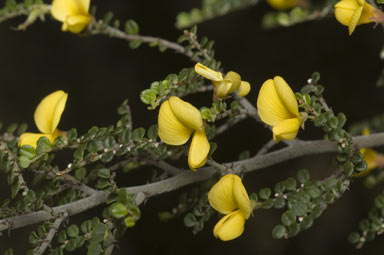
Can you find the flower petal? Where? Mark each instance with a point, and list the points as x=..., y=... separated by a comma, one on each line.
x=76, y=23
x=31, y=139
x=198, y=150
x=269, y=105
x=48, y=112
x=83, y=5
x=222, y=88
x=186, y=113
x=221, y=197
x=244, y=89
x=235, y=78
x=368, y=12
x=62, y=8
x=286, y=95
x=241, y=197
x=230, y=226
x=208, y=73
x=353, y=22
x=171, y=130
x=286, y=130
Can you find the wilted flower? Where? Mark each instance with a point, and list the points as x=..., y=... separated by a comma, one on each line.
x=229, y=197
x=228, y=85
x=72, y=13
x=277, y=107
x=177, y=121
x=47, y=117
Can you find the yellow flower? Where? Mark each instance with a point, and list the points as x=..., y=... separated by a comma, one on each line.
x=283, y=4
x=373, y=159
x=73, y=13
x=277, y=107
x=47, y=117
x=229, y=197
x=351, y=13
x=177, y=121
x=228, y=85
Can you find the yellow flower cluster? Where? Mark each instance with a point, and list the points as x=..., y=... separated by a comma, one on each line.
x=224, y=86
x=178, y=120
x=72, y=13
x=47, y=117
x=277, y=107
x=230, y=198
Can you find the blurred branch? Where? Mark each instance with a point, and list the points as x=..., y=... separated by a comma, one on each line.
x=294, y=150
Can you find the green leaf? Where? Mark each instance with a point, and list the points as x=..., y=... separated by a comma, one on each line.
x=118, y=210
x=99, y=233
x=107, y=157
x=131, y=27
x=190, y=220
x=290, y=184
x=265, y=193
x=279, y=231
x=102, y=183
x=73, y=230
x=128, y=221
x=23, y=161
x=104, y=173
x=152, y=132
x=86, y=226
x=94, y=249
x=107, y=18
x=134, y=44
x=148, y=96
x=288, y=218
x=61, y=237
x=72, y=134
x=303, y=176
x=138, y=134
x=354, y=237
x=43, y=145
x=80, y=173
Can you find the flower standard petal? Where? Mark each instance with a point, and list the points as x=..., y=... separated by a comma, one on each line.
x=354, y=20
x=286, y=95
x=286, y=130
x=186, y=113
x=198, y=150
x=171, y=130
x=221, y=197
x=244, y=89
x=208, y=73
x=48, y=112
x=31, y=139
x=235, y=79
x=62, y=8
x=368, y=12
x=269, y=105
x=83, y=5
x=230, y=226
x=222, y=88
x=241, y=197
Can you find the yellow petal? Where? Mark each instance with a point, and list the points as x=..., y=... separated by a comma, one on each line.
x=286, y=95
x=343, y=15
x=222, y=88
x=235, y=79
x=282, y=4
x=366, y=131
x=269, y=105
x=62, y=8
x=198, y=150
x=221, y=197
x=171, y=130
x=208, y=73
x=31, y=139
x=186, y=113
x=286, y=130
x=83, y=5
x=366, y=14
x=241, y=197
x=244, y=89
x=230, y=226
x=48, y=112
x=76, y=23
x=354, y=19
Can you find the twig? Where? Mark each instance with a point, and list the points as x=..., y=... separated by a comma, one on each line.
x=297, y=149
x=266, y=147
x=229, y=123
x=51, y=234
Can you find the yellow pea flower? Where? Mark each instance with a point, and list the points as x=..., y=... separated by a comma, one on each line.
x=229, y=197
x=47, y=117
x=373, y=158
x=177, y=121
x=352, y=13
x=283, y=5
x=228, y=85
x=277, y=107
x=72, y=13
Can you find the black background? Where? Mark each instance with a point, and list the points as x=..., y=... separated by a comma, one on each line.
x=99, y=73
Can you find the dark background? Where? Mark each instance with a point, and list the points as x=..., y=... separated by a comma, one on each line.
x=99, y=73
